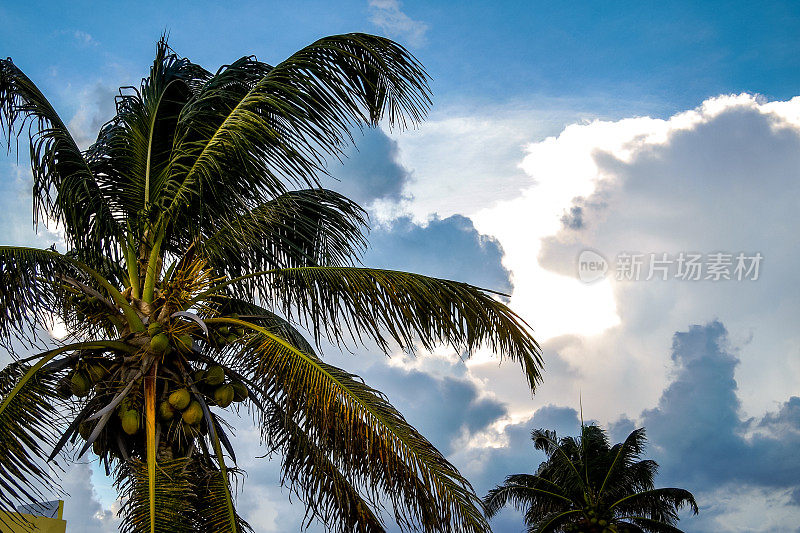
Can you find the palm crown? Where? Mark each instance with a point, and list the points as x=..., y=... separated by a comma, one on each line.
x=587, y=485
x=200, y=244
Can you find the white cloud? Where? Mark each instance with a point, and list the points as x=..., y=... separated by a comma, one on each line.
x=723, y=176
x=390, y=18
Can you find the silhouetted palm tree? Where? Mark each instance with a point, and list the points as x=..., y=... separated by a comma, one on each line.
x=198, y=241
x=587, y=485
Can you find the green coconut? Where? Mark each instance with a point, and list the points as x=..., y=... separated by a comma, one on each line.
x=165, y=411
x=240, y=392
x=180, y=399
x=184, y=343
x=215, y=375
x=224, y=395
x=130, y=422
x=159, y=343
x=153, y=329
x=224, y=331
x=96, y=372
x=198, y=376
x=80, y=384
x=193, y=414
x=232, y=338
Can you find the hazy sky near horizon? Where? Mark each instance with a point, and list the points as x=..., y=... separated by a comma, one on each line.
x=630, y=129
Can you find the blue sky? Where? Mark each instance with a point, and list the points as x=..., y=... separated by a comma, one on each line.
x=662, y=127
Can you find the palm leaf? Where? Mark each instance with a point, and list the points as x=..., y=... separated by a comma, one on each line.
x=659, y=504
x=524, y=491
x=33, y=290
x=371, y=438
x=384, y=305
x=299, y=228
x=64, y=187
x=214, y=503
x=30, y=421
x=289, y=120
x=309, y=471
x=175, y=496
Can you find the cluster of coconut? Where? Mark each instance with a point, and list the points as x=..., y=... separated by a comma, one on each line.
x=212, y=384
x=160, y=342
x=594, y=523
x=84, y=377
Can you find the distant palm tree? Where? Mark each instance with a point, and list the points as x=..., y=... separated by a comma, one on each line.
x=198, y=242
x=588, y=486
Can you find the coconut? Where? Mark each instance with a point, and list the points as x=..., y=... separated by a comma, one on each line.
x=232, y=338
x=165, y=411
x=159, y=343
x=153, y=328
x=224, y=331
x=130, y=422
x=198, y=376
x=184, y=343
x=240, y=392
x=193, y=414
x=215, y=375
x=96, y=372
x=80, y=384
x=180, y=399
x=224, y=395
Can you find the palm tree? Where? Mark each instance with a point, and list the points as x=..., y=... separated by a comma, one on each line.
x=586, y=485
x=200, y=245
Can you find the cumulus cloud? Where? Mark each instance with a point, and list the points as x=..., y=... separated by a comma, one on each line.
x=389, y=17
x=371, y=171
x=448, y=248
x=744, y=471
x=722, y=177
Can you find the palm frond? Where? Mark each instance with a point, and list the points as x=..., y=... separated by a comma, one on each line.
x=371, y=438
x=524, y=492
x=387, y=305
x=132, y=151
x=299, y=228
x=553, y=521
x=651, y=526
x=64, y=187
x=255, y=314
x=282, y=128
x=658, y=504
x=175, y=496
x=35, y=287
x=30, y=421
x=310, y=472
x=213, y=504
